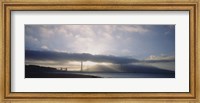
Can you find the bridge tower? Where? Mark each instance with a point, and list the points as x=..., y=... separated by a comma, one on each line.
x=81, y=65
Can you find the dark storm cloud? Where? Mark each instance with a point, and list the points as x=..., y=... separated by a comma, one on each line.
x=157, y=61
x=161, y=58
x=60, y=56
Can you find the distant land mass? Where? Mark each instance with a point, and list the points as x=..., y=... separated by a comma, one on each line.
x=33, y=71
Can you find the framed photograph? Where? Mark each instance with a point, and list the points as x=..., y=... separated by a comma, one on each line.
x=80, y=51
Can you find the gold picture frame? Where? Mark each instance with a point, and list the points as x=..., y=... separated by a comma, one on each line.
x=157, y=5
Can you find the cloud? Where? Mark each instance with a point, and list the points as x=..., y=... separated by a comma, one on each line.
x=44, y=47
x=58, y=56
x=169, y=29
x=128, y=28
x=108, y=39
x=162, y=58
x=70, y=38
x=61, y=56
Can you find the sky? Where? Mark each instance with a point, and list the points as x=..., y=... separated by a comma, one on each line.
x=110, y=43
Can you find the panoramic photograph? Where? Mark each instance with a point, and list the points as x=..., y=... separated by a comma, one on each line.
x=99, y=51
